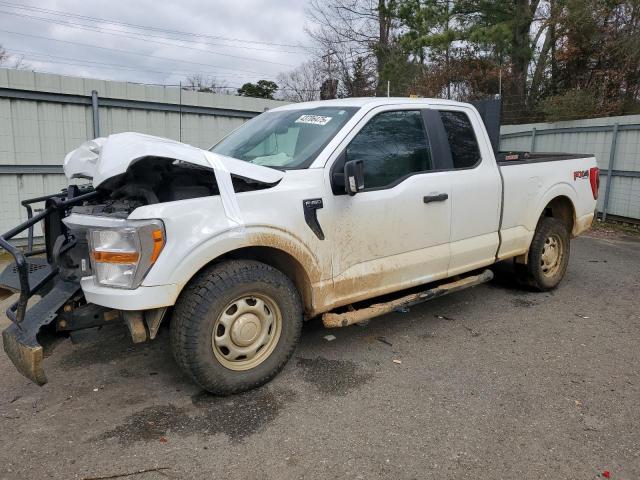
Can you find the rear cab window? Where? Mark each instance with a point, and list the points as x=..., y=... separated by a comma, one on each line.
x=465, y=152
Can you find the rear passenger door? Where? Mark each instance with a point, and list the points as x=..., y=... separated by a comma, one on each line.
x=476, y=191
x=395, y=233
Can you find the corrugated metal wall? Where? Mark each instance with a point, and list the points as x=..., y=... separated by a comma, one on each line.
x=593, y=136
x=43, y=117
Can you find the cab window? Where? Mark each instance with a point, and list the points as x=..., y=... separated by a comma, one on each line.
x=465, y=152
x=392, y=146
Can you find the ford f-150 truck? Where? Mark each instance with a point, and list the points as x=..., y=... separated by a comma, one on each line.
x=343, y=209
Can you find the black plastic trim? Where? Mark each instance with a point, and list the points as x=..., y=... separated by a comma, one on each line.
x=440, y=197
x=310, y=208
x=438, y=140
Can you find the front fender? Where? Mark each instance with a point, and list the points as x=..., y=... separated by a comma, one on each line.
x=175, y=271
x=198, y=231
x=230, y=240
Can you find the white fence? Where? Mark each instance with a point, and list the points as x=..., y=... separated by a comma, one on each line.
x=43, y=116
x=615, y=141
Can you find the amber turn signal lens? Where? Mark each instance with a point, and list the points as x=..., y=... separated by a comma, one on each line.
x=125, y=258
x=158, y=244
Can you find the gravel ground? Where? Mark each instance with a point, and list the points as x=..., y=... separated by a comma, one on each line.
x=493, y=382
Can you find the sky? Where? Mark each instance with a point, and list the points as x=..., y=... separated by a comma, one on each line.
x=155, y=41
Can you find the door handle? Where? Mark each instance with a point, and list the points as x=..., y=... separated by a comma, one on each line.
x=440, y=197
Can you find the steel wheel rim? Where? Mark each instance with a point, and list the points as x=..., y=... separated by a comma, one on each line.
x=552, y=255
x=246, y=332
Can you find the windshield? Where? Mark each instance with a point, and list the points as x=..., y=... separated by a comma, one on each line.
x=285, y=139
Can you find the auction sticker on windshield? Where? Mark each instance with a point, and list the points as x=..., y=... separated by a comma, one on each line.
x=314, y=119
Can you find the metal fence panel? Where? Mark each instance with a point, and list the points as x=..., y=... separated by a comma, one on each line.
x=44, y=116
x=598, y=136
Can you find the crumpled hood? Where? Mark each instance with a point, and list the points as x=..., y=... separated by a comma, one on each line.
x=106, y=157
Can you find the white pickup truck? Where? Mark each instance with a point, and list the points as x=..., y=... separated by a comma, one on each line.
x=311, y=209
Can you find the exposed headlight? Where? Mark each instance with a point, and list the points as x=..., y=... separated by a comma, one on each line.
x=122, y=251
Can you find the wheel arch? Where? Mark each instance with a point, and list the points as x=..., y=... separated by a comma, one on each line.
x=276, y=249
x=563, y=209
x=559, y=202
x=280, y=260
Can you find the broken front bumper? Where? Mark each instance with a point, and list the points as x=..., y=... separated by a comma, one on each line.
x=30, y=275
x=26, y=354
x=20, y=340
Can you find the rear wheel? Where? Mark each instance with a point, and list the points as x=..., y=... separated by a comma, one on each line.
x=548, y=255
x=236, y=325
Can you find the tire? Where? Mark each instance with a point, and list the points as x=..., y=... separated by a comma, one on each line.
x=216, y=322
x=548, y=256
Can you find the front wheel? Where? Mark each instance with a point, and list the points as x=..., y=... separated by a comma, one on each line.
x=236, y=325
x=548, y=255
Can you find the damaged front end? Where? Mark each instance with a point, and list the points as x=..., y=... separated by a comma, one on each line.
x=88, y=233
x=54, y=273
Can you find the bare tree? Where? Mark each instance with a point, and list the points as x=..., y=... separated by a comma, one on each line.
x=4, y=55
x=204, y=83
x=9, y=60
x=347, y=30
x=303, y=83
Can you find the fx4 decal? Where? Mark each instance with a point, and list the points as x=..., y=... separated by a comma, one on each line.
x=584, y=174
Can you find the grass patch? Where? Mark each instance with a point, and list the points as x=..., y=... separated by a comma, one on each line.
x=614, y=227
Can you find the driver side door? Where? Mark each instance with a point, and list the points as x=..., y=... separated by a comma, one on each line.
x=393, y=234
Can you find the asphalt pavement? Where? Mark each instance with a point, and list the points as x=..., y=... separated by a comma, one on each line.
x=493, y=382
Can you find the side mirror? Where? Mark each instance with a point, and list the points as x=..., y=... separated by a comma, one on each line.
x=353, y=176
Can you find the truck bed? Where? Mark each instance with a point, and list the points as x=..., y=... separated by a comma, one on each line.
x=530, y=186
x=520, y=157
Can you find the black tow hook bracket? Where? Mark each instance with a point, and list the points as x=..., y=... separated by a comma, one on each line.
x=310, y=208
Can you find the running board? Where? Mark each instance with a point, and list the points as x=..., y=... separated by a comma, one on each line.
x=334, y=320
